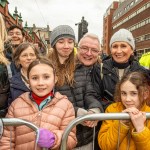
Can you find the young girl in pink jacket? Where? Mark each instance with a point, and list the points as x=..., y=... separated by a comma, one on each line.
x=50, y=111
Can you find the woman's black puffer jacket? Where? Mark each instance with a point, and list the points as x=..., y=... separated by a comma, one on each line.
x=4, y=90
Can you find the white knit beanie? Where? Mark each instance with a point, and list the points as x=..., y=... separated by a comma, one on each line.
x=123, y=35
x=60, y=32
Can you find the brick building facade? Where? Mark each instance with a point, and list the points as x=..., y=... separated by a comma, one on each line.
x=134, y=15
x=16, y=19
x=107, y=23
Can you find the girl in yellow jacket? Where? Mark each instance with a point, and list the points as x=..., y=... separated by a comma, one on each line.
x=50, y=111
x=131, y=94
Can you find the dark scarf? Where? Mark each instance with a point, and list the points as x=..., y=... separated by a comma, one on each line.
x=123, y=65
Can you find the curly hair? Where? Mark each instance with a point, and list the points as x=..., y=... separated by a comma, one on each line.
x=140, y=80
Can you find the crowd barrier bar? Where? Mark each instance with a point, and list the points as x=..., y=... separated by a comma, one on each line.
x=18, y=122
x=92, y=117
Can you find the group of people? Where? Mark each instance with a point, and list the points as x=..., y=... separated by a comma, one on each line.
x=53, y=90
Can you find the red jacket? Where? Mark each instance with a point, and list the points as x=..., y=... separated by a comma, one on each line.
x=55, y=116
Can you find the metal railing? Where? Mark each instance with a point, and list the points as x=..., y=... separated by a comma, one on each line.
x=18, y=122
x=92, y=117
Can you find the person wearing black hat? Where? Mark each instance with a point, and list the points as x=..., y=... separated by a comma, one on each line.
x=122, y=46
x=75, y=82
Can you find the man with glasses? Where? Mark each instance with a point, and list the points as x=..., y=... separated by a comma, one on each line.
x=88, y=53
x=89, y=49
x=15, y=38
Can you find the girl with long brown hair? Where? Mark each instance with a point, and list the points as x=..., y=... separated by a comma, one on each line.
x=74, y=81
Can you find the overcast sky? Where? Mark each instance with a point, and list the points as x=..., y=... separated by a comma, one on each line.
x=57, y=12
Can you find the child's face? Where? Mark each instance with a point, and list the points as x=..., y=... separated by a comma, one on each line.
x=41, y=79
x=64, y=47
x=129, y=95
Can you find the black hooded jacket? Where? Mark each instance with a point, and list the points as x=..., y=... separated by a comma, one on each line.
x=111, y=77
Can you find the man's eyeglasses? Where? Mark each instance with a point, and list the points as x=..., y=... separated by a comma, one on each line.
x=85, y=49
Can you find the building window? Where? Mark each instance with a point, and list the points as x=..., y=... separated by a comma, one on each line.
x=131, y=4
x=128, y=6
x=147, y=37
x=138, y=39
x=146, y=6
x=147, y=50
x=136, y=1
x=139, y=53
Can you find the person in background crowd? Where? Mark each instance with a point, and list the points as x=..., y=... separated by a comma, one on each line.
x=40, y=48
x=131, y=97
x=145, y=60
x=4, y=80
x=75, y=82
x=25, y=54
x=50, y=111
x=122, y=46
x=15, y=38
x=104, y=56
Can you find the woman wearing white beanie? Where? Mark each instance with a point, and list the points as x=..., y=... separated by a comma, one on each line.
x=122, y=46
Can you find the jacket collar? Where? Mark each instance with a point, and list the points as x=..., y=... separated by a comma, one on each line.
x=57, y=97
